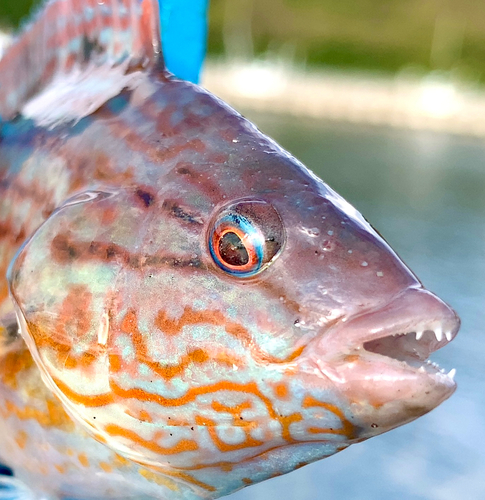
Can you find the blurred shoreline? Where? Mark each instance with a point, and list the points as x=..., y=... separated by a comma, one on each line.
x=433, y=102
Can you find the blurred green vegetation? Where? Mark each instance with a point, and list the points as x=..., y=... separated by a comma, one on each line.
x=13, y=11
x=377, y=35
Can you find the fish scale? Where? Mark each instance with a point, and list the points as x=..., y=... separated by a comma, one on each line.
x=185, y=309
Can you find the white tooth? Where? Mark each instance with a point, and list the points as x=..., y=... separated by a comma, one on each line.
x=452, y=373
x=421, y=369
x=448, y=336
x=439, y=334
x=419, y=334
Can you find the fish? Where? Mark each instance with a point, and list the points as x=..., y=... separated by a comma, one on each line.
x=185, y=308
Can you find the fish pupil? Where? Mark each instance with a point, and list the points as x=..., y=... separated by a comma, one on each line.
x=232, y=250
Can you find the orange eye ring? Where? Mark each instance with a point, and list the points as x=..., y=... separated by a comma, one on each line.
x=245, y=238
x=236, y=245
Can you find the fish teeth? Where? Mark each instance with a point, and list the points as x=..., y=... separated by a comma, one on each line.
x=452, y=373
x=438, y=334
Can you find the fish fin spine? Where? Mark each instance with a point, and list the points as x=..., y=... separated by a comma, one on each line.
x=70, y=34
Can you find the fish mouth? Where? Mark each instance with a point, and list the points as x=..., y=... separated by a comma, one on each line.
x=408, y=330
x=413, y=348
x=380, y=359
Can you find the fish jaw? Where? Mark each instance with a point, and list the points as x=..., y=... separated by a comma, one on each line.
x=379, y=360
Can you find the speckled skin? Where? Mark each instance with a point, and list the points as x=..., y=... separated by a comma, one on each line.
x=146, y=371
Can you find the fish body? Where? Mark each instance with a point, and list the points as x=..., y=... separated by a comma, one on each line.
x=185, y=309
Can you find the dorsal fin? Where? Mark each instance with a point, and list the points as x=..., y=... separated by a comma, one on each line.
x=69, y=36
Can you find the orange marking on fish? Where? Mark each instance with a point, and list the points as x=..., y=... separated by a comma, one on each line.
x=211, y=425
x=54, y=417
x=351, y=358
x=75, y=312
x=191, y=395
x=195, y=356
x=173, y=327
x=141, y=415
x=15, y=362
x=93, y=400
x=348, y=429
x=181, y=475
x=3, y=284
x=12, y=232
x=99, y=437
x=106, y=467
x=182, y=446
x=115, y=362
x=223, y=385
x=170, y=371
x=106, y=171
x=50, y=339
x=234, y=410
x=189, y=317
x=247, y=480
x=281, y=390
x=120, y=461
x=178, y=422
x=227, y=359
x=158, y=479
x=21, y=439
x=129, y=323
x=83, y=459
x=60, y=468
x=73, y=325
x=225, y=466
x=84, y=360
x=109, y=215
x=286, y=421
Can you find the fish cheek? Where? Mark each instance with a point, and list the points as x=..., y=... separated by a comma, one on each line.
x=97, y=321
x=115, y=341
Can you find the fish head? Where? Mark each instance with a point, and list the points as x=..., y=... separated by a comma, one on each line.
x=234, y=317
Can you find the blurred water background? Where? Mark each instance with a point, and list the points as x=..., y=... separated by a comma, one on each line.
x=385, y=101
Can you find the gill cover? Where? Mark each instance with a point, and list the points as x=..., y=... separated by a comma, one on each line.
x=76, y=286
x=164, y=382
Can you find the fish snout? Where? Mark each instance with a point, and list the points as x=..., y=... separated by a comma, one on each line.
x=379, y=359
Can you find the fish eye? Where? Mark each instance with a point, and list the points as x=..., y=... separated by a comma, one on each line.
x=246, y=237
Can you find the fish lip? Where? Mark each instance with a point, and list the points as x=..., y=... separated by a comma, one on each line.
x=401, y=334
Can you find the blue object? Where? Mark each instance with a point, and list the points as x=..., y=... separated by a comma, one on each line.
x=5, y=471
x=184, y=36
